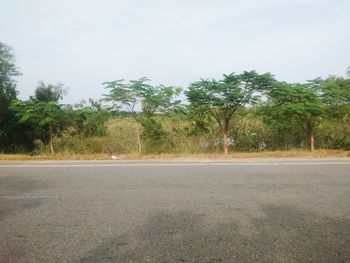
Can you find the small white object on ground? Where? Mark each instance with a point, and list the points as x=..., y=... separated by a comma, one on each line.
x=114, y=157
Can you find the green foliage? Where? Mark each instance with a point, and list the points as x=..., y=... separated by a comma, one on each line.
x=241, y=112
x=150, y=99
x=49, y=118
x=336, y=97
x=7, y=83
x=222, y=98
x=8, y=69
x=138, y=93
x=334, y=134
x=294, y=101
x=155, y=138
x=336, y=91
x=200, y=122
x=294, y=104
x=49, y=92
x=90, y=120
x=13, y=136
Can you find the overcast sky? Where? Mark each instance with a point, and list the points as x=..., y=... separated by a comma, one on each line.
x=83, y=43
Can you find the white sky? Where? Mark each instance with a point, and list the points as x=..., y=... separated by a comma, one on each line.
x=83, y=43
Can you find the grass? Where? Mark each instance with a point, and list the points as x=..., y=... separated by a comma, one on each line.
x=135, y=156
x=26, y=157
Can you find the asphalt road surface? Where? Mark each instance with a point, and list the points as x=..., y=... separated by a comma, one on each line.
x=175, y=211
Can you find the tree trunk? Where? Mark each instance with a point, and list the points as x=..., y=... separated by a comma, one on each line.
x=225, y=137
x=312, y=142
x=51, y=141
x=139, y=147
x=310, y=136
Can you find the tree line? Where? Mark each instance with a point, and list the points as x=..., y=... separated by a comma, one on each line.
x=211, y=112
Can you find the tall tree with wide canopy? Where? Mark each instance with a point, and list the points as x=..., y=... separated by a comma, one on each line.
x=299, y=104
x=221, y=99
x=141, y=100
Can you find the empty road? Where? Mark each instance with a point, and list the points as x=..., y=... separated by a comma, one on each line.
x=175, y=211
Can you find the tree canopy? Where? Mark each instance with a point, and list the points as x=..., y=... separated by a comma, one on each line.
x=295, y=103
x=142, y=100
x=9, y=131
x=222, y=98
x=49, y=92
x=244, y=111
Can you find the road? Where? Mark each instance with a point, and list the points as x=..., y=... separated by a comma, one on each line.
x=175, y=211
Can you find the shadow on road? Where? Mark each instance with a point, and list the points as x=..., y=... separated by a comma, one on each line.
x=11, y=190
x=284, y=234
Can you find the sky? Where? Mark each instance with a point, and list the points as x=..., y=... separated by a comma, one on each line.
x=83, y=43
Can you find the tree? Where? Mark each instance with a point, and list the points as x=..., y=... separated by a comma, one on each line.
x=42, y=112
x=8, y=69
x=8, y=93
x=49, y=92
x=296, y=104
x=222, y=98
x=127, y=96
x=138, y=95
x=51, y=116
x=336, y=91
x=90, y=119
x=336, y=98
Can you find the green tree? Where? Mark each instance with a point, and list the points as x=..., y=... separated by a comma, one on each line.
x=90, y=119
x=336, y=98
x=8, y=92
x=51, y=116
x=336, y=91
x=222, y=98
x=141, y=100
x=49, y=92
x=296, y=104
x=8, y=70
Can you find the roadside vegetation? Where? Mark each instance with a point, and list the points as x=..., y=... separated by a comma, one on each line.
x=241, y=115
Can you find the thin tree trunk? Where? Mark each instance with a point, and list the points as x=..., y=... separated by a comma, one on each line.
x=312, y=142
x=225, y=137
x=139, y=146
x=51, y=141
x=310, y=135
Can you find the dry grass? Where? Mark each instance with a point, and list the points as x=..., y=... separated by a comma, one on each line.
x=244, y=155
x=23, y=157
x=237, y=155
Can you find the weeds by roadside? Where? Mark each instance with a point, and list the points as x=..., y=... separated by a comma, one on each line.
x=135, y=156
